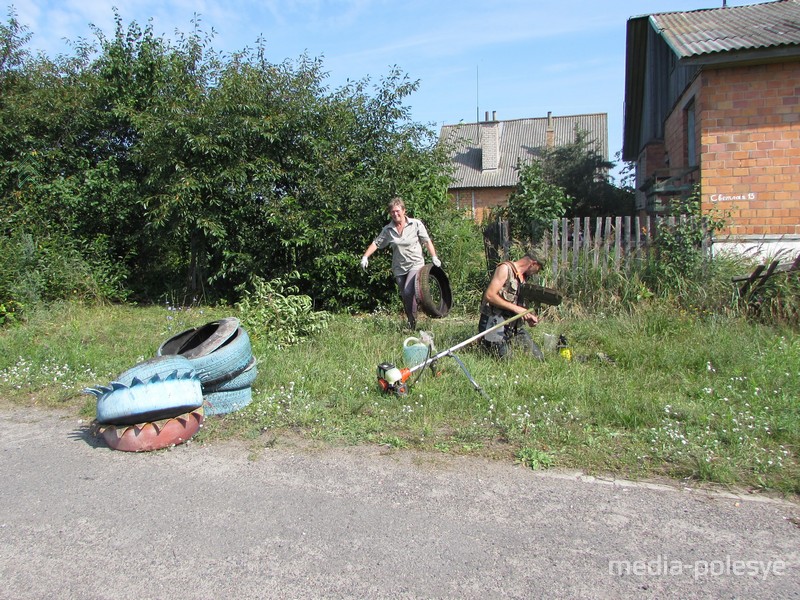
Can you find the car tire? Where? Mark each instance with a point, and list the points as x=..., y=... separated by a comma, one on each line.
x=200, y=341
x=142, y=437
x=148, y=399
x=225, y=362
x=240, y=380
x=222, y=403
x=434, y=295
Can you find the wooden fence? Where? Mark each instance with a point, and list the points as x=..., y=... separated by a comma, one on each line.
x=604, y=242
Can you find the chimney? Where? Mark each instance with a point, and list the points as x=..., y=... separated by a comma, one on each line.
x=490, y=142
x=550, y=139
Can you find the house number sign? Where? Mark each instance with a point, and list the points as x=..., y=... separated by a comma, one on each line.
x=750, y=196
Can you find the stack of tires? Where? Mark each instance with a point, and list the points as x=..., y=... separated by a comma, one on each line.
x=162, y=401
x=222, y=355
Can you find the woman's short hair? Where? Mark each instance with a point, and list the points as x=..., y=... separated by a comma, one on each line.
x=397, y=201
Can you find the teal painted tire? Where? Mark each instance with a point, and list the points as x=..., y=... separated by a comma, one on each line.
x=226, y=361
x=144, y=401
x=200, y=341
x=241, y=380
x=222, y=403
x=159, y=365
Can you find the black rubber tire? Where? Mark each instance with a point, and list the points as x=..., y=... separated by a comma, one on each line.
x=434, y=295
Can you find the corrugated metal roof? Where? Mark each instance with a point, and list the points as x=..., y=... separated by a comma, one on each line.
x=730, y=29
x=520, y=141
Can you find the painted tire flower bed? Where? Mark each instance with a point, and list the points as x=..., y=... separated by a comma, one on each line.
x=161, y=402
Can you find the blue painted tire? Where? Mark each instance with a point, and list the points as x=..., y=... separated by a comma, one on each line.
x=200, y=341
x=239, y=381
x=159, y=365
x=218, y=351
x=173, y=345
x=222, y=403
x=226, y=361
x=148, y=400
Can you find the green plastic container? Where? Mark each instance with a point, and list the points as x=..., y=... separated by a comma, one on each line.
x=415, y=351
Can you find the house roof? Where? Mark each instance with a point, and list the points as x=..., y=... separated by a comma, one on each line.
x=701, y=33
x=520, y=140
x=753, y=34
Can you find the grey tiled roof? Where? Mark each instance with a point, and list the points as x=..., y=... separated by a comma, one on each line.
x=730, y=29
x=520, y=141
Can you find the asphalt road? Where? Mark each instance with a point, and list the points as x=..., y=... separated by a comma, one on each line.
x=79, y=520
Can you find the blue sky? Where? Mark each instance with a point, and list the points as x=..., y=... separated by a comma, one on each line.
x=520, y=58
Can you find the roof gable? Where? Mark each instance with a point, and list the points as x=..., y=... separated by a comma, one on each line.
x=519, y=141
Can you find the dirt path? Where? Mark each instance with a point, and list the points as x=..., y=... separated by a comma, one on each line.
x=78, y=520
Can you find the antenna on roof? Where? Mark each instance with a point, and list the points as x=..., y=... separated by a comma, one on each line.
x=477, y=104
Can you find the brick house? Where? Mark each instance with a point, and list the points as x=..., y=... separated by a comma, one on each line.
x=712, y=97
x=486, y=155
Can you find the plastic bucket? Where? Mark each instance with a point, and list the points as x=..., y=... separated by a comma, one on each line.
x=414, y=351
x=550, y=342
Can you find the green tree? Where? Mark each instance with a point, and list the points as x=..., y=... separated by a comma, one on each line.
x=583, y=174
x=172, y=169
x=534, y=204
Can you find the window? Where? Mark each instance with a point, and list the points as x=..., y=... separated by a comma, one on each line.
x=690, y=137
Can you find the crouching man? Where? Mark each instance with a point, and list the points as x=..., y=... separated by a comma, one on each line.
x=501, y=301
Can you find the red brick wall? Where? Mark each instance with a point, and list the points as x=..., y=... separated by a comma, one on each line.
x=749, y=120
x=484, y=199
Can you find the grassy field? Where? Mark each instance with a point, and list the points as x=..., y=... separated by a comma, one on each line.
x=656, y=393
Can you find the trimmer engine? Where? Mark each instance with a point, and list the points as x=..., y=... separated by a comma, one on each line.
x=393, y=379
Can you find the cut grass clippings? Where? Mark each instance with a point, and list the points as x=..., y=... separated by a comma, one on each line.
x=652, y=394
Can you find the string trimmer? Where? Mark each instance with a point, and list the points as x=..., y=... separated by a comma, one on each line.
x=393, y=379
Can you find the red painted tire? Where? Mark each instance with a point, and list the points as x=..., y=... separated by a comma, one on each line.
x=154, y=435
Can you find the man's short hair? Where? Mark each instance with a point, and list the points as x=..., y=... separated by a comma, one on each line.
x=534, y=258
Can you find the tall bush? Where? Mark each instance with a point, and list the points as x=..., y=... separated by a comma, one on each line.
x=194, y=172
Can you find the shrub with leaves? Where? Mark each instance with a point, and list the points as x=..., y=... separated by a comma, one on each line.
x=276, y=314
x=534, y=204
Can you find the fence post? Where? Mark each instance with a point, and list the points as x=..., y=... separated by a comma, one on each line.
x=587, y=239
x=576, y=227
x=598, y=238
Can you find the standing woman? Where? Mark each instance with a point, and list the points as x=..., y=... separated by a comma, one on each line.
x=406, y=236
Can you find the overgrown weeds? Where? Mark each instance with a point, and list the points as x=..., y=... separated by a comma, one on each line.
x=654, y=391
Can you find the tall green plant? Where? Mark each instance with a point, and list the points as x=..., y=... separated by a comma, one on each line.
x=582, y=173
x=682, y=258
x=534, y=204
